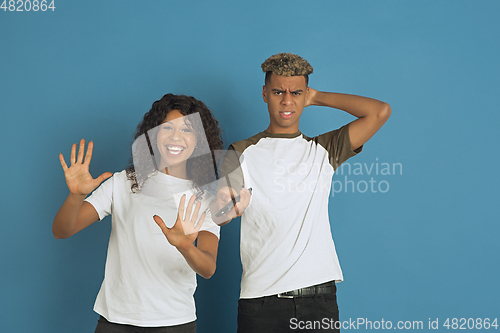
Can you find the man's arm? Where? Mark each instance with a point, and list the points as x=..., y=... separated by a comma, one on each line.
x=371, y=113
x=230, y=185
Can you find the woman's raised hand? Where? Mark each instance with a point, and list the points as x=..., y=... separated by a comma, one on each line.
x=78, y=177
x=185, y=230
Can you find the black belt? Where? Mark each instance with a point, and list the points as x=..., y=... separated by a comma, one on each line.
x=320, y=289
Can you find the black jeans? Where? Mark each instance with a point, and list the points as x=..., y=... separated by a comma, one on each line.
x=104, y=326
x=319, y=313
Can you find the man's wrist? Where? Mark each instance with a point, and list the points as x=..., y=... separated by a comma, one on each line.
x=313, y=97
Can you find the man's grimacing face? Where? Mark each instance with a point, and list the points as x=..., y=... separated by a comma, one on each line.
x=285, y=97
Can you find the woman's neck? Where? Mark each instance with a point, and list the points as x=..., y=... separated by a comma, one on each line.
x=178, y=171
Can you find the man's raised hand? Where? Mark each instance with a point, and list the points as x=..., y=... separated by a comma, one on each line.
x=310, y=97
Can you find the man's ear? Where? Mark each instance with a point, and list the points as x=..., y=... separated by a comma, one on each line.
x=264, y=94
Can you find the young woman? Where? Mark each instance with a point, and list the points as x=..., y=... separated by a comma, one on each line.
x=149, y=281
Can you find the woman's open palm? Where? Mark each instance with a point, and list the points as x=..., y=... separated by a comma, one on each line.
x=77, y=176
x=185, y=230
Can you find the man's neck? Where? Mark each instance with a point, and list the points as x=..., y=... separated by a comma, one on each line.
x=282, y=130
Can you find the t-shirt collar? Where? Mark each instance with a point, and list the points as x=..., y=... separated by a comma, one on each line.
x=282, y=135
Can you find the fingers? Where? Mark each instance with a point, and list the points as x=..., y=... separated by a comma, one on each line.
x=225, y=194
x=200, y=223
x=81, y=151
x=181, y=208
x=245, y=197
x=196, y=208
x=223, y=197
x=189, y=219
x=190, y=208
x=240, y=207
x=161, y=224
x=73, y=154
x=88, y=156
x=194, y=217
x=103, y=177
x=63, y=163
x=237, y=209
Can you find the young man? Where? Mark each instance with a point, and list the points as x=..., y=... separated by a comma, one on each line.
x=289, y=261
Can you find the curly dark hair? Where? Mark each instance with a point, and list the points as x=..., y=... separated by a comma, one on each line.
x=286, y=64
x=196, y=167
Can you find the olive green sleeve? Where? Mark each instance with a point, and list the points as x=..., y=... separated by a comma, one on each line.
x=338, y=145
x=231, y=174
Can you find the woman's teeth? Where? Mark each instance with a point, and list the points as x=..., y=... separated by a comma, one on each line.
x=175, y=150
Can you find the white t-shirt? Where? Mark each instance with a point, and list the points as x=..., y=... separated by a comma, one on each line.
x=147, y=281
x=286, y=242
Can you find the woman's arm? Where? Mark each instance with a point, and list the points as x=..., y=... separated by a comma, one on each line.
x=201, y=258
x=75, y=214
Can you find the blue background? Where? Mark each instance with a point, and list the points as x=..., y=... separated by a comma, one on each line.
x=427, y=248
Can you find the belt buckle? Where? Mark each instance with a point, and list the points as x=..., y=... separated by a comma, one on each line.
x=282, y=295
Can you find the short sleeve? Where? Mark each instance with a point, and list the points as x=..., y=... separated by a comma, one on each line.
x=102, y=198
x=209, y=225
x=231, y=174
x=338, y=145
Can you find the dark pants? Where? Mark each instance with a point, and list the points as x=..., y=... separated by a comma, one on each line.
x=304, y=314
x=104, y=326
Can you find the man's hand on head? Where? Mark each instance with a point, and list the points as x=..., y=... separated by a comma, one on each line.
x=311, y=97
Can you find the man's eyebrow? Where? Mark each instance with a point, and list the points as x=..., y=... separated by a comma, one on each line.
x=292, y=91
